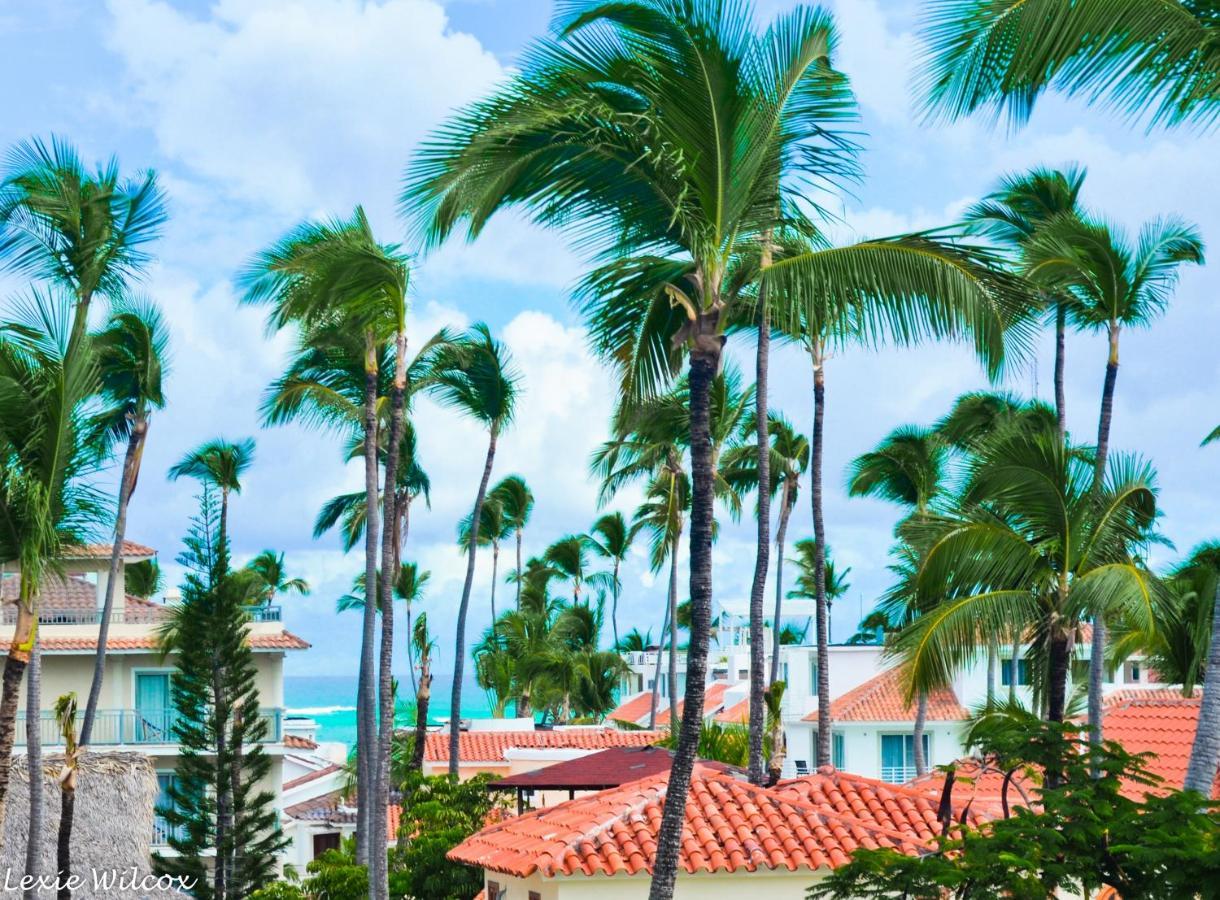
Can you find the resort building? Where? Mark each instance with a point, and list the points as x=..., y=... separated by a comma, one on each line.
x=135, y=712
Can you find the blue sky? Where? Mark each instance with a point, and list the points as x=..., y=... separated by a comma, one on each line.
x=260, y=113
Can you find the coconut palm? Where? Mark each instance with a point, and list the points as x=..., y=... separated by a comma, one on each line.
x=1011, y=215
x=634, y=641
x=422, y=646
x=1115, y=283
x=342, y=287
x=143, y=579
x=220, y=463
x=46, y=461
x=478, y=381
x=268, y=567
x=516, y=503
x=706, y=132
x=569, y=557
x=409, y=587
x=1150, y=60
x=1030, y=546
x=610, y=538
x=86, y=232
x=493, y=529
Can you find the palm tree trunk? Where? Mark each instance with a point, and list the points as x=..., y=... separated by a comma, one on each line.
x=519, y=570
x=379, y=874
x=704, y=362
x=15, y=665
x=224, y=796
x=495, y=573
x=993, y=658
x=33, y=750
x=762, y=556
x=404, y=503
x=614, y=603
x=819, y=558
x=1097, y=648
x=1204, y=753
x=459, y=644
x=422, y=700
x=1013, y=669
x=366, y=702
x=131, y=471
x=656, y=678
x=921, y=718
x=1060, y=659
x=1060, y=365
x=673, y=633
x=781, y=535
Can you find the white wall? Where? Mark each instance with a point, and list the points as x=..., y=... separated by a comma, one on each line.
x=777, y=885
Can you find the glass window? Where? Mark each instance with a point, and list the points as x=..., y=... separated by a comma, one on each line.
x=783, y=672
x=836, y=750
x=1022, y=672
x=898, y=756
x=813, y=675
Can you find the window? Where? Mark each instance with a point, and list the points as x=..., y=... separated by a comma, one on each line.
x=836, y=750
x=323, y=842
x=743, y=674
x=1022, y=672
x=162, y=831
x=495, y=892
x=898, y=756
x=813, y=675
x=783, y=668
x=534, y=895
x=1133, y=672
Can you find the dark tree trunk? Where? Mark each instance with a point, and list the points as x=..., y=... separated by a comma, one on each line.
x=33, y=752
x=459, y=644
x=1205, y=752
x=1097, y=647
x=15, y=664
x=1060, y=365
x=1060, y=659
x=762, y=558
x=495, y=573
x=63, y=844
x=379, y=874
x=656, y=678
x=224, y=796
x=704, y=361
x=422, y=700
x=404, y=505
x=613, y=603
x=993, y=654
x=921, y=718
x=673, y=634
x=366, y=702
x=819, y=558
x=781, y=536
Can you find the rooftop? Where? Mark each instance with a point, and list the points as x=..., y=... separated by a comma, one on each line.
x=883, y=699
x=1159, y=721
x=730, y=826
x=102, y=551
x=607, y=768
x=490, y=746
x=283, y=640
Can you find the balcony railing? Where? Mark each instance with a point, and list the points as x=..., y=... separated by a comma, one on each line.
x=138, y=615
x=115, y=727
x=897, y=774
x=162, y=832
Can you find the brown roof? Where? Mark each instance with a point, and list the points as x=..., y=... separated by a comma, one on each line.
x=73, y=594
x=296, y=742
x=103, y=551
x=729, y=826
x=490, y=746
x=282, y=641
x=883, y=699
x=311, y=776
x=598, y=771
x=331, y=809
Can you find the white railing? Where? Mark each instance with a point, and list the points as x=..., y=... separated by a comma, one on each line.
x=897, y=774
x=133, y=726
x=136, y=615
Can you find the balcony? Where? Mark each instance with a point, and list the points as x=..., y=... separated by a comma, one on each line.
x=133, y=727
x=897, y=774
x=139, y=615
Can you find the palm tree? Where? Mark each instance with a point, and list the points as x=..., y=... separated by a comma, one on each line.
x=634, y=641
x=1115, y=284
x=132, y=359
x=481, y=383
x=269, y=569
x=516, y=503
x=569, y=557
x=908, y=468
x=46, y=459
x=221, y=464
x=1030, y=546
x=493, y=529
x=347, y=292
x=1154, y=60
x=706, y=133
x=1011, y=215
x=611, y=539
x=409, y=587
x=423, y=645
x=83, y=231
x=143, y=579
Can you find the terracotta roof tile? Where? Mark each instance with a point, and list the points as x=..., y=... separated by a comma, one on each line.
x=296, y=742
x=890, y=806
x=73, y=594
x=103, y=551
x=730, y=826
x=736, y=714
x=635, y=710
x=713, y=699
x=489, y=746
x=281, y=641
x=882, y=699
x=1159, y=721
x=311, y=776
x=985, y=785
x=603, y=769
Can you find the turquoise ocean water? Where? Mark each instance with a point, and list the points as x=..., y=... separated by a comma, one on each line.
x=331, y=702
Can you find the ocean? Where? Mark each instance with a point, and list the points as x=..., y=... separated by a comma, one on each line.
x=331, y=702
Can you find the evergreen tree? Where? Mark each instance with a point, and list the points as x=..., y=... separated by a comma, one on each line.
x=215, y=803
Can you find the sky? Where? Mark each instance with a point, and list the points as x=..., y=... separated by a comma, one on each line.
x=259, y=114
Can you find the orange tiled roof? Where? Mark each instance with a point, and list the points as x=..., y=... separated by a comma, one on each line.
x=713, y=699
x=633, y=711
x=73, y=594
x=883, y=699
x=281, y=641
x=489, y=746
x=730, y=826
x=889, y=806
x=393, y=815
x=1159, y=721
x=103, y=551
x=296, y=742
x=985, y=785
x=736, y=714
x=310, y=776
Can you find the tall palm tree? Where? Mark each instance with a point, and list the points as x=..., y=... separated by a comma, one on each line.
x=133, y=360
x=86, y=232
x=1115, y=284
x=46, y=461
x=516, y=503
x=1151, y=60
x=344, y=288
x=610, y=539
x=908, y=468
x=569, y=557
x=1030, y=546
x=1200, y=577
x=409, y=587
x=422, y=645
x=481, y=383
x=268, y=567
x=707, y=131
x=634, y=641
x=493, y=530
x=1011, y=215
x=220, y=463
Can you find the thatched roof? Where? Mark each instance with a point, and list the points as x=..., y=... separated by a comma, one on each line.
x=112, y=828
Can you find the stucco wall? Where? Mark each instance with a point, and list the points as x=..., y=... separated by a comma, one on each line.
x=772, y=885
